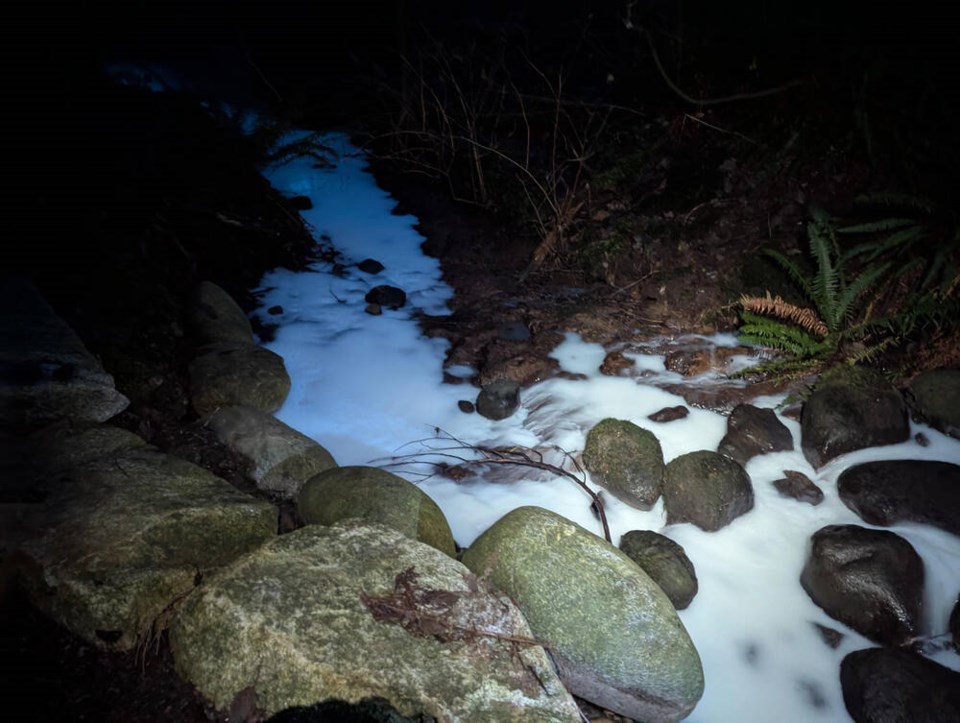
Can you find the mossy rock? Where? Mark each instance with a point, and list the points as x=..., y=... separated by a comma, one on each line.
x=625, y=459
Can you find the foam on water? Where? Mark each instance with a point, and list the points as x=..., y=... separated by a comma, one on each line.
x=369, y=387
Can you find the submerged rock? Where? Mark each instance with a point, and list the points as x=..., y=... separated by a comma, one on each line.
x=707, y=489
x=851, y=408
x=871, y=580
x=752, y=431
x=887, y=492
x=612, y=631
x=935, y=398
x=282, y=458
x=625, y=459
x=378, y=496
x=665, y=562
x=356, y=611
x=893, y=685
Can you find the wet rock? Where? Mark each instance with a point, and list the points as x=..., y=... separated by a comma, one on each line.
x=688, y=362
x=871, y=580
x=884, y=493
x=935, y=398
x=625, y=459
x=799, y=486
x=669, y=414
x=707, y=489
x=377, y=496
x=373, y=309
x=388, y=296
x=46, y=373
x=614, y=363
x=237, y=375
x=358, y=610
x=665, y=562
x=282, y=458
x=752, y=431
x=370, y=266
x=275, y=310
x=124, y=531
x=893, y=685
x=851, y=408
x=613, y=633
x=830, y=636
x=466, y=406
x=499, y=399
x=216, y=318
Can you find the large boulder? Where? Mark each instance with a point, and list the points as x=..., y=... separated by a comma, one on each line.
x=613, y=633
x=46, y=373
x=216, y=318
x=237, y=374
x=752, y=431
x=887, y=492
x=281, y=457
x=871, y=580
x=851, y=408
x=627, y=460
x=707, y=489
x=379, y=496
x=356, y=611
x=125, y=530
x=935, y=398
x=665, y=562
x=894, y=685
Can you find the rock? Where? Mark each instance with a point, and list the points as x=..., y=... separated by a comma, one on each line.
x=752, y=431
x=499, y=399
x=614, y=363
x=688, y=362
x=884, y=493
x=275, y=310
x=707, y=489
x=851, y=408
x=124, y=531
x=237, y=375
x=388, y=296
x=378, y=496
x=871, y=580
x=370, y=266
x=466, y=406
x=935, y=398
x=665, y=562
x=625, y=459
x=281, y=457
x=830, y=636
x=373, y=309
x=215, y=318
x=669, y=414
x=799, y=486
x=613, y=633
x=893, y=685
x=358, y=610
x=46, y=373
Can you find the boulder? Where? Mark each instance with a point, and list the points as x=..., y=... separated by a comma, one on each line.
x=358, y=610
x=935, y=398
x=215, y=318
x=46, y=373
x=614, y=634
x=752, y=431
x=625, y=459
x=871, y=580
x=236, y=374
x=851, y=408
x=124, y=531
x=499, y=399
x=887, y=492
x=375, y=495
x=665, y=562
x=894, y=685
x=281, y=457
x=707, y=489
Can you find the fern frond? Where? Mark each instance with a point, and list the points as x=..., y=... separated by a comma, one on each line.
x=857, y=288
x=761, y=331
x=825, y=283
x=776, y=307
x=793, y=270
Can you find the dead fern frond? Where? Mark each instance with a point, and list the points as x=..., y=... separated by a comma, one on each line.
x=776, y=307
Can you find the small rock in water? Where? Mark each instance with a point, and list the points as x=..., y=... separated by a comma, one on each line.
x=370, y=266
x=921, y=439
x=499, y=399
x=373, y=309
x=275, y=310
x=614, y=363
x=799, y=486
x=831, y=637
x=389, y=296
x=466, y=406
x=669, y=414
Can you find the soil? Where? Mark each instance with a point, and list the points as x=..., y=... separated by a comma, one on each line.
x=687, y=260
